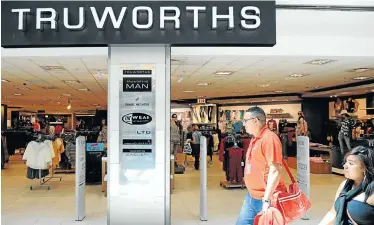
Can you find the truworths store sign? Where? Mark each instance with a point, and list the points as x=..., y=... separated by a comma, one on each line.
x=92, y=23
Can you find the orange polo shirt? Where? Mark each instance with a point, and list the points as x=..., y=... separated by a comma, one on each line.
x=264, y=150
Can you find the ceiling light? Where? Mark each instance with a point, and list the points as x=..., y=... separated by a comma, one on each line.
x=95, y=104
x=320, y=61
x=203, y=84
x=360, y=70
x=83, y=89
x=298, y=75
x=5, y=81
x=279, y=91
x=360, y=78
x=68, y=107
x=189, y=91
x=71, y=81
x=52, y=68
x=66, y=95
x=24, y=89
x=17, y=94
x=47, y=99
x=180, y=79
x=263, y=85
x=316, y=87
x=49, y=88
x=223, y=73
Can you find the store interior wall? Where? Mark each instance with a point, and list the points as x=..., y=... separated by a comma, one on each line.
x=316, y=113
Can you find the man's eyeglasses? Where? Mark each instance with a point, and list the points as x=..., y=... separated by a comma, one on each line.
x=246, y=120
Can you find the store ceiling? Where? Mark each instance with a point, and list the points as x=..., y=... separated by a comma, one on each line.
x=46, y=82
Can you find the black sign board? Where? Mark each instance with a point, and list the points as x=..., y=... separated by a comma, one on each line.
x=137, y=150
x=100, y=23
x=137, y=72
x=137, y=84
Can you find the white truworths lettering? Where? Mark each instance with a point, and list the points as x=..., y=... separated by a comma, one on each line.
x=216, y=17
x=255, y=17
x=51, y=19
x=174, y=18
x=135, y=17
x=196, y=10
x=108, y=10
x=21, y=13
x=81, y=21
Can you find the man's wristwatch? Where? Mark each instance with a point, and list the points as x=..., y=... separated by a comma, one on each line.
x=266, y=201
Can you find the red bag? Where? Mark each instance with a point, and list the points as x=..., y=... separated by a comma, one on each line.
x=271, y=216
x=293, y=204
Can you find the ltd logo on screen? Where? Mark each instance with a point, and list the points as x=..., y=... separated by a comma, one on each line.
x=137, y=84
x=136, y=118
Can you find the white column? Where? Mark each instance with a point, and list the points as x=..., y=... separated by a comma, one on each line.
x=139, y=187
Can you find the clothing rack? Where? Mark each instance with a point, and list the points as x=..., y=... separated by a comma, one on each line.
x=43, y=181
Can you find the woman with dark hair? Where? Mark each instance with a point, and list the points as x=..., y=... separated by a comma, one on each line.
x=354, y=202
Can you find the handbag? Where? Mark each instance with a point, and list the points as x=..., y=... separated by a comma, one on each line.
x=187, y=149
x=292, y=203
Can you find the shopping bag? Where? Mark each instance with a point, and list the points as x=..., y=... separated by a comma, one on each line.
x=293, y=204
x=187, y=149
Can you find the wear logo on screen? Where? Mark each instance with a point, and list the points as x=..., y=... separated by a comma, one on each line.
x=137, y=84
x=136, y=118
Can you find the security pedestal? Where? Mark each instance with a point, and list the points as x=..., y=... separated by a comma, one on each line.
x=139, y=131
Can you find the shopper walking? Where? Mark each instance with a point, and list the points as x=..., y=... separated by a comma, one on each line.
x=354, y=202
x=346, y=130
x=195, y=144
x=263, y=164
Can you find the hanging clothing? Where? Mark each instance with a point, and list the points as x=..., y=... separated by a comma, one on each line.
x=58, y=147
x=38, y=155
x=58, y=129
x=35, y=174
x=235, y=165
x=222, y=126
x=237, y=125
x=351, y=106
x=272, y=125
x=36, y=127
x=215, y=142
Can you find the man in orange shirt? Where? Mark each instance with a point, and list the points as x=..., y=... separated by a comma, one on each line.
x=262, y=174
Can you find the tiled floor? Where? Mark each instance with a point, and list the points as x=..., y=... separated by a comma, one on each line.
x=21, y=206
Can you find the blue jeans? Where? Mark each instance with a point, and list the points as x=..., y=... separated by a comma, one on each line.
x=251, y=207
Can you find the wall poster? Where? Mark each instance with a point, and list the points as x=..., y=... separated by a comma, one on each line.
x=137, y=116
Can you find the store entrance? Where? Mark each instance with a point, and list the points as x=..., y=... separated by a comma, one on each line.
x=210, y=94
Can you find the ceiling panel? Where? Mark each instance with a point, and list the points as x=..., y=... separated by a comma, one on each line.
x=251, y=75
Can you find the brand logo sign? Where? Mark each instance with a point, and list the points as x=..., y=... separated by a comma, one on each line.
x=98, y=23
x=138, y=84
x=137, y=141
x=137, y=118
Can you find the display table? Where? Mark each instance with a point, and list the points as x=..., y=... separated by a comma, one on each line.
x=324, y=167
